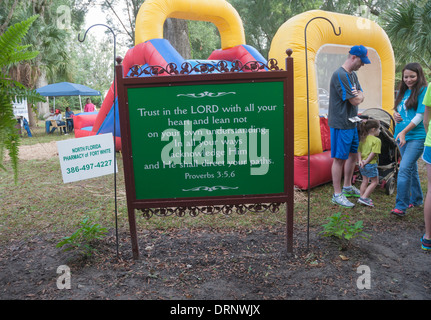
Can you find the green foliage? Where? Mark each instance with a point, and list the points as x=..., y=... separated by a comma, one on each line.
x=407, y=25
x=83, y=238
x=204, y=39
x=263, y=18
x=339, y=226
x=12, y=52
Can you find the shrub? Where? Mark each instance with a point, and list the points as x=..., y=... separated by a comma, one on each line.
x=339, y=226
x=83, y=238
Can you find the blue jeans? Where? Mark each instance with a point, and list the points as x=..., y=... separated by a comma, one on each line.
x=409, y=189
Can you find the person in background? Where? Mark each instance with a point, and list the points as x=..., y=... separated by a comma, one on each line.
x=410, y=135
x=69, y=118
x=89, y=107
x=26, y=127
x=48, y=117
x=59, y=119
x=426, y=238
x=344, y=97
x=368, y=155
x=22, y=122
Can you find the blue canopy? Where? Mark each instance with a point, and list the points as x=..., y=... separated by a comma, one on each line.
x=62, y=89
x=66, y=89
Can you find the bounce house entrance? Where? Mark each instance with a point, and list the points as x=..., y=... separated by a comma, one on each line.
x=329, y=58
x=320, y=42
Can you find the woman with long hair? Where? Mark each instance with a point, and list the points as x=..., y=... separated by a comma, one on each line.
x=410, y=135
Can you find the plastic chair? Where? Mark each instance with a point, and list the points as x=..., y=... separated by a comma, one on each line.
x=55, y=125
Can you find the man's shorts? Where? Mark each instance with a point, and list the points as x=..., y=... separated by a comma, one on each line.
x=427, y=155
x=370, y=170
x=343, y=142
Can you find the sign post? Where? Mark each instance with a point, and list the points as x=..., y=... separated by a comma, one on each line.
x=205, y=140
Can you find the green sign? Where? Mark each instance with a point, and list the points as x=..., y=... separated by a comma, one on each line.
x=207, y=140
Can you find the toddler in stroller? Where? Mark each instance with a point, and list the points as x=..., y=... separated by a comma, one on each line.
x=388, y=162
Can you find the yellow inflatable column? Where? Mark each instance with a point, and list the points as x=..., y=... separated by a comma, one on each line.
x=153, y=13
x=354, y=31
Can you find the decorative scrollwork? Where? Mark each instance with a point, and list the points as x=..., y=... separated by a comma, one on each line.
x=203, y=68
x=240, y=209
x=273, y=65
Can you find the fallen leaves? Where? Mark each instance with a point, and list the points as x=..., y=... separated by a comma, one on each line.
x=344, y=258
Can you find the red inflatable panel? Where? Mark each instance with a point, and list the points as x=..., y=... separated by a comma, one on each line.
x=320, y=170
x=84, y=133
x=241, y=52
x=143, y=53
x=84, y=120
x=325, y=133
x=83, y=127
x=235, y=53
x=104, y=109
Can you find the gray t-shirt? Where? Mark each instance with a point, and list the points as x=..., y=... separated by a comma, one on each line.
x=340, y=108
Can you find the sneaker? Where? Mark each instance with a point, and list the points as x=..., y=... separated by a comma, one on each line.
x=398, y=212
x=341, y=200
x=426, y=243
x=366, y=201
x=351, y=192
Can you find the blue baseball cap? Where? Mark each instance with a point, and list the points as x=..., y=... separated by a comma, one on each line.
x=361, y=52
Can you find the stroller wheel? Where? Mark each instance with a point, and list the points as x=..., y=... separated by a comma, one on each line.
x=390, y=186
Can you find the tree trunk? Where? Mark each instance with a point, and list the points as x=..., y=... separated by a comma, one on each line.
x=32, y=116
x=42, y=107
x=177, y=32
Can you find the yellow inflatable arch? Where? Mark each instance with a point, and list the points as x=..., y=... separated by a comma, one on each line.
x=377, y=79
x=153, y=13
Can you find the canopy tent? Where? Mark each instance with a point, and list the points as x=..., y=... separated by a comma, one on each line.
x=62, y=89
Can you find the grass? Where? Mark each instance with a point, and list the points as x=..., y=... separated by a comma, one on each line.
x=40, y=136
x=40, y=203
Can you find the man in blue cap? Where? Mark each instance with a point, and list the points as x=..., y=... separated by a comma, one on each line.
x=344, y=97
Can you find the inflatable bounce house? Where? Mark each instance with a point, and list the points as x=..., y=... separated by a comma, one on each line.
x=329, y=38
x=152, y=50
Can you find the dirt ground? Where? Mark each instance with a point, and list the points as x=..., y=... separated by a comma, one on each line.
x=219, y=265
x=216, y=264
x=39, y=151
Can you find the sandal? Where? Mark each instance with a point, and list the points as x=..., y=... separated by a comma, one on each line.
x=398, y=212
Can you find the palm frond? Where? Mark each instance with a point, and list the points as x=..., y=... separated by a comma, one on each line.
x=408, y=25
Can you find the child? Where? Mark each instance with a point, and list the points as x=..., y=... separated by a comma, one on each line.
x=368, y=155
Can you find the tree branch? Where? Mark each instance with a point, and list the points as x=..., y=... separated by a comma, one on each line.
x=121, y=22
x=370, y=6
x=9, y=17
x=130, y=20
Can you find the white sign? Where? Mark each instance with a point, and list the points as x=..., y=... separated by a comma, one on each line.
x=88, y=157
x=20, y=108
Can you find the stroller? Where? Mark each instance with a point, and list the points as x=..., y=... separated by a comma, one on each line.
x=389, y=157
